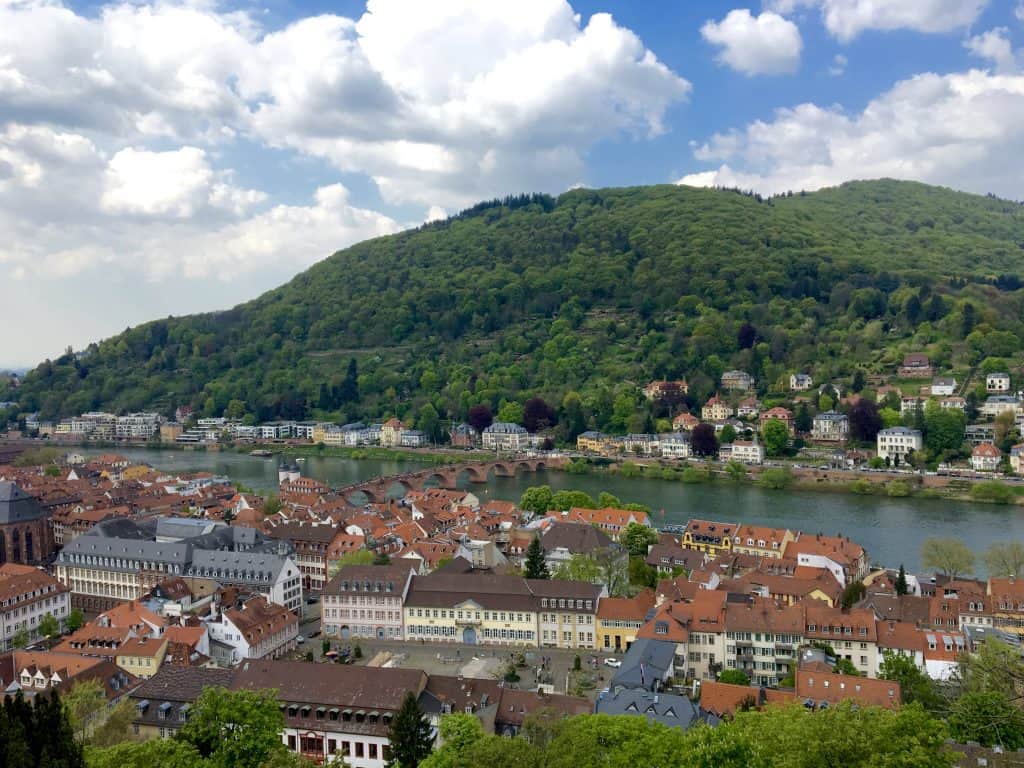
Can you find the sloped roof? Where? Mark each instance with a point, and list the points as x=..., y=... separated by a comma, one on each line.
x=16, y=506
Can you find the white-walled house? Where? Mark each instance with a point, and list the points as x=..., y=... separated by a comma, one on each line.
x=894, y=443
x=255, y=630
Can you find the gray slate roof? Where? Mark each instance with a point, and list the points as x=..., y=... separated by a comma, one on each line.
x=666, y=708
x=16, y=506
x=577, y=538
x=656, y=656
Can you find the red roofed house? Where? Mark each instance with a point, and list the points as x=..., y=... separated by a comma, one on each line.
x=610, y=520
x=985, y=458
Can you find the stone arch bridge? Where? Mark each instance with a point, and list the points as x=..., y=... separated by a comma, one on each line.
x=377, y=489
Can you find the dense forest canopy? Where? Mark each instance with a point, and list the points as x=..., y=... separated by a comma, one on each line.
x=579, y=300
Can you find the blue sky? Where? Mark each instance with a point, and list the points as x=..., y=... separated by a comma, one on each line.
x=171, y=157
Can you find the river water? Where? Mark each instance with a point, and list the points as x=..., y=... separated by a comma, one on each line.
x=891, y=529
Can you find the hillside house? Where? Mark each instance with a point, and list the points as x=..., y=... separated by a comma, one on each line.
x=739, y=380
x=830, y=426
x=800, y=382
x=997, y=383
x=985, y=458
x=916, y=366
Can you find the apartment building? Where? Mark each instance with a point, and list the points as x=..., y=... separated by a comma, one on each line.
x=366, y=601
x=122, y=559
x=27, y=595
x=490, y=609
x=502, y=436
x=895, y=443
x=257, y=629
x=762, y=638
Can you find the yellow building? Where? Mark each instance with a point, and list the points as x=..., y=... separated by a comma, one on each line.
x=709, y=536
x=591, y=442
x=761, y=541
x=142, y=657
x=501, y=610
x=328, y=434
x=620, y=618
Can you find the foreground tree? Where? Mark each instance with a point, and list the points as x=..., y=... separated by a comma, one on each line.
x=950, y=557
x=37, y=734
x=235, y=729
x=915, y=685
x=409, y=735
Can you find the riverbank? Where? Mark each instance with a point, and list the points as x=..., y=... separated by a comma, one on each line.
x=877, y=483
x=831, y=481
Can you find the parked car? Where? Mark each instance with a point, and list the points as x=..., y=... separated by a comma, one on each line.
x=312, y=600
x=300, y=639
x=611, y=661
x=314, y=633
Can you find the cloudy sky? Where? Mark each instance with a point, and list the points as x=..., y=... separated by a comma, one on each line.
x=160, y=159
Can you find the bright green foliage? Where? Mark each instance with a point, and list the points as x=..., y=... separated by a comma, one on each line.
x=846, y=735
x=410, y=735
x=535, y=566
x=166, y=753
x=636, y=538
x=75, y=620
x=776, y=437
x=564, y=500
x=988, y=717
x=734, y=677
x=915, y=685
x=235, y=729
x=536, y=499
x=943, y=428
x=615, y=742
x=776, y=478
x=542, y=296
x=49, y=626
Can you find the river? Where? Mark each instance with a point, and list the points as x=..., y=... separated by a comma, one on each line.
x=891, y=529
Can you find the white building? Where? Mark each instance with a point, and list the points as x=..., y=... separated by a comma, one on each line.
x=894, y=443
x=997, y=382
x=137, y=426
x=413, y=438
x=747, y=452
x=27, y=595
x=943, y=386
x=997, y=404
x=830, y=426
x=800, y=382
x=985, y=458
x=675, y=445
x=256, y=630
x=502, y=436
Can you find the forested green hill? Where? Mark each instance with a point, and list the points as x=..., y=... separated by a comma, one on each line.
x=595, y=292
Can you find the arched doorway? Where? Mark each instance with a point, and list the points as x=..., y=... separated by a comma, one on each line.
x=380, y=633
x=469, y=636
x=345, y=632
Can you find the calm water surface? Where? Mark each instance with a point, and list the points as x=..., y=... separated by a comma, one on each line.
x=890, y=529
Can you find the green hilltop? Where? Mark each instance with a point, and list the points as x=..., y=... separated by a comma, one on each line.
x=594, y=292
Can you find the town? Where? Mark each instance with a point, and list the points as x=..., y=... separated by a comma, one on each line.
x=161, y=586
x=945, y=427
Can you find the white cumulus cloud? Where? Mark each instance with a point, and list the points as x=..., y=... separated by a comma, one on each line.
x=963, y=129
x=847, y=19
x=995, y=46
x=755, y=45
